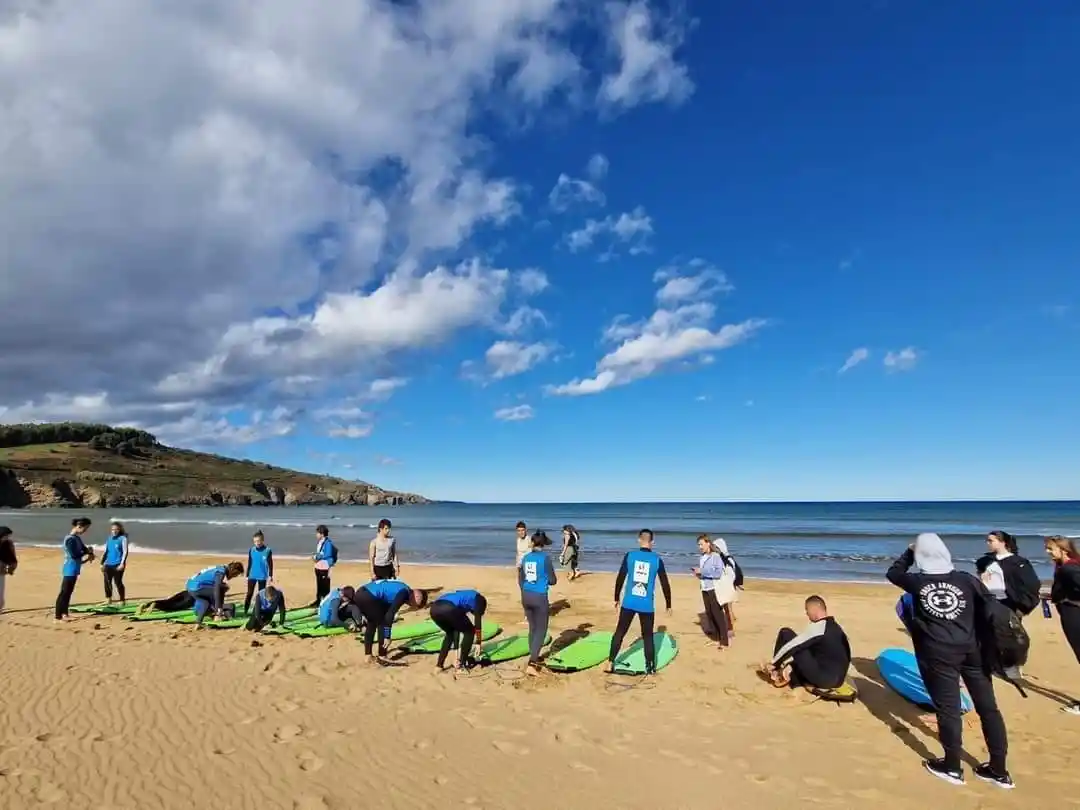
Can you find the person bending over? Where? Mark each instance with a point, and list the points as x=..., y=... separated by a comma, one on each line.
x=260, y=567
x=339, y=609
x=205, y=591
x=819, y=656
x=643, y=567
x=379, y=602
x=451, y=613
x=268, y=601
x=947, y=608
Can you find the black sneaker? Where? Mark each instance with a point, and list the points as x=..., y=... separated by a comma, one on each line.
x=988, y=774
x=938, y=768
x=1072, y=708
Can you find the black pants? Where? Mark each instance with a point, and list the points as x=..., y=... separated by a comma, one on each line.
x=626, y=616
x=537, y=611
x=347, y=611
x=322, y=585
x=63, y=599
x=715, y=614
x=258, y=619
x=114, y=575
x=457, y=627
x=374, y=611
x=384, y=571
x=178, y=601
x=1070, y=625
x=942, y=676
x=805, y=669
x=252, y=584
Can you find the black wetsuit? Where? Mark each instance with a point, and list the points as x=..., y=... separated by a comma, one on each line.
x=819, y=656
x=947, y=611
x=379, y=613
x=263, y=610
x=452, y=617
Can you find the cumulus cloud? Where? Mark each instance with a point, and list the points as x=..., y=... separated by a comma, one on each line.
x=676, y=332
x=857, y=356
x=902, y=360
x=697, y=279
x=508, y=358
x=644, y=44
x=573, y=192
x=597, y=167
x=629, y=231
x=252, y=215
x=518, y=413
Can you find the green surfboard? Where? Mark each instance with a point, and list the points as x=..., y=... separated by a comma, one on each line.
x=106, y=610
x=157, y=615
x=408, y=630
x=292, y=627
x=582, y=654
x=631, y=661
x=509, y=648
x=241, y=619
x=433, y=643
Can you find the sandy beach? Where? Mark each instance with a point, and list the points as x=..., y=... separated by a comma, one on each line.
x=113, y=715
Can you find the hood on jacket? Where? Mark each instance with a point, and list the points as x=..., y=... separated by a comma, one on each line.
x=932, y=555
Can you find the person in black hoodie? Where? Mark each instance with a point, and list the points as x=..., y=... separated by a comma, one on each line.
x=1065, y=594
x=949, y=608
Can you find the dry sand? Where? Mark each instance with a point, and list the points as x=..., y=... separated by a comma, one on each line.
x=108, y=714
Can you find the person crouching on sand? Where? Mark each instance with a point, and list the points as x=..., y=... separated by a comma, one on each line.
x=818, y=657
x=710, y=570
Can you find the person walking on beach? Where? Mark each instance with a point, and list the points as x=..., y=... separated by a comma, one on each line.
x=535, y=576
x=325, y=557
x=571, y=550
x=1065, y=595
x=710, y=571
x=260, y=567
x=524, y=544
x=8, y=561
x=948, y=605
x=451, y=613
x=76, y=555
x=643, y=567
x=382, y=553
x=726, y=589
x=114, y=562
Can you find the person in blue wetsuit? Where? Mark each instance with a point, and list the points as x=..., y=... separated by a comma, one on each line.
x=260, y=567
x=204, y=591
x=536, y=575
x=338, y=609
x=76, y=555
x=114, y=561
x=379, y=602
x=325, y=557
x=268, y=602
x=643, y=567
x=451, y=613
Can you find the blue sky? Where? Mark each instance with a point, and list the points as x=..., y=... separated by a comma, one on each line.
x=891, y=186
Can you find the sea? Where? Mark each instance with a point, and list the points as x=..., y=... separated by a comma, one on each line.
x=852, y=542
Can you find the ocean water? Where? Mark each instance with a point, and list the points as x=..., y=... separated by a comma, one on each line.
x=814, y=541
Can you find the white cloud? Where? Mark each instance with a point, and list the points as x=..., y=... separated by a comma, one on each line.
x=674, y=333
x=857, y=356
x=902, y=360
x=629, y=231
x=522, y=319
x=517, y=413
x=571, y=192
x=262, y=159
x=508, y=358
x=644, y=45
x=387, y=461
x=597, y=167
x=351, y=431
x=532, y=281
x=697, y=279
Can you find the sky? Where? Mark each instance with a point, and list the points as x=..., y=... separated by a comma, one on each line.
x=555, y=250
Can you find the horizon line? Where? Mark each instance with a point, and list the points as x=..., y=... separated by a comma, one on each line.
x=670, y=501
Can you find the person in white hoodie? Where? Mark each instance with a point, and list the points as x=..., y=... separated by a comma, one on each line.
x=727, y=587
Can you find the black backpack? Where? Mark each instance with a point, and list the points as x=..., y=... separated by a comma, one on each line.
x=334, y=554
x=1004, y=641
x=1022, y=584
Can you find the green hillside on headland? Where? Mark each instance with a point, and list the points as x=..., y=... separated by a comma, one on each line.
x=72, y=464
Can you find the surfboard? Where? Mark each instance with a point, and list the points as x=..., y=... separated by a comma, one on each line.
x=582, y=654
x=901, y=672
x=157, y=615
x=316, y=630
x=509, y=648
x=106, y=610
x=294, y=615
x=433, y=643
x=291, y=627
x=408, y=630
x=631, y=661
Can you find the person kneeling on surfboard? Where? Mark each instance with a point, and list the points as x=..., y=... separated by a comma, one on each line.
x=643, y=567
x=817, y=657
x=947, y=605
x=379, y=602
x=268, y=601
x=451, y=613
x=339, y=609
x=205, y=591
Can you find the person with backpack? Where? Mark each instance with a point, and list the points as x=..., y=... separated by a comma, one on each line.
x=728, y=586
x=1012, y=581
x=325, y=557
x=1065, y=594
x=947, y=610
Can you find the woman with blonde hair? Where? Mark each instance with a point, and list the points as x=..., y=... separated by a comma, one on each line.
x=1065, y=594
x=710, y=571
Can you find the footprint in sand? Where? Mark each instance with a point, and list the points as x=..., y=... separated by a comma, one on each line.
x=422, y=745
x=507, y=747
x=442, y=780
x=285, y=706
x=287, y=733
x=310, y=803
x=48, y=793
x=310, y=763
x=578, y=766
x=44, y=738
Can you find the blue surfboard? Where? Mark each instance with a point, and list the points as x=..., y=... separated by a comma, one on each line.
x=900, y=671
